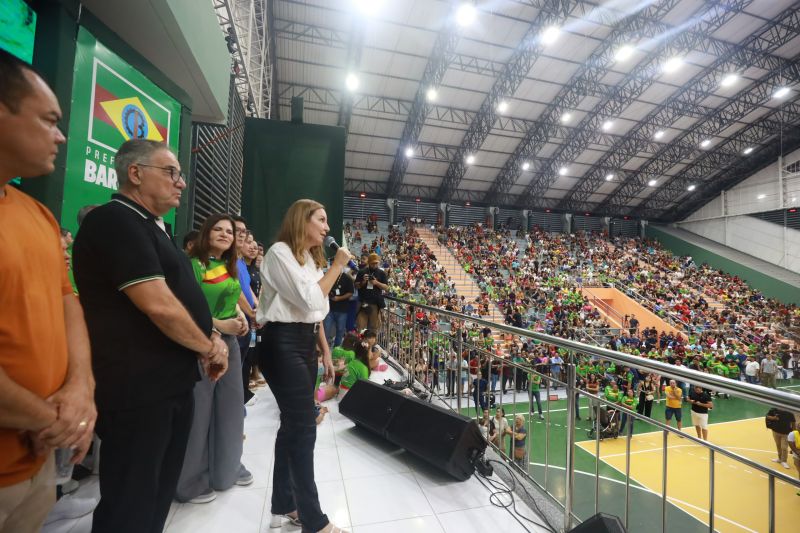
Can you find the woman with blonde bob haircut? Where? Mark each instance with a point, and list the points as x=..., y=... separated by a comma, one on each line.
x=292, y=305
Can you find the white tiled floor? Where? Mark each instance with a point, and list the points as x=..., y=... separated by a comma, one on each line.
x=365, y=484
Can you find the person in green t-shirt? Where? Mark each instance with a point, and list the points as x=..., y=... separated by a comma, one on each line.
x=218, y=414
x=629, y=401
x=612, y=392
x=535, y=386
x=357, y=368
x=341, y=355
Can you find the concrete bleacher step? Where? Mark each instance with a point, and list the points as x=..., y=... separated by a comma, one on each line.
x=465, y=285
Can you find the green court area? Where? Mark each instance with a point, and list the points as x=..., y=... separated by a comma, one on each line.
x=547, y=445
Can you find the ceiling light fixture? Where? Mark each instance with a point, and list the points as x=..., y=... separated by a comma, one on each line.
x=566, y=117
x=369, y=8
x=657, y=135
x=761, y=196
x=652, y=183
x=624, y=53
x=672, y=64
x=563, y=171
x=550, y=35
x=431, y=94
x=607, y=125
x=609, y=177
x=705, y=143
x=351, y=82
x=748, y=150
x=691, y=187
x=470, y=159
x=502, y=107
x=729, y=80
x=466, y=14
x=782, y=92
x=409, y=152
x=526, y=165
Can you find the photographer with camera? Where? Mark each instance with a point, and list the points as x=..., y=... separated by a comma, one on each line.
x=371, y=282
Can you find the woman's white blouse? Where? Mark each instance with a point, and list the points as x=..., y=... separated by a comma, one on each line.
x=290, y=291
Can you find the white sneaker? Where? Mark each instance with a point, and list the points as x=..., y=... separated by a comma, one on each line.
x=252, y=401
x=776, y=460
x=785, y=464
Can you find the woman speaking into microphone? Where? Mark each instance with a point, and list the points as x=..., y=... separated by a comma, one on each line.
x=293, y=304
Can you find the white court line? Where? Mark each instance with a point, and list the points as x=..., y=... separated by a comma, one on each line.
x=647, y=450
x=670, y=498
x=641, y=488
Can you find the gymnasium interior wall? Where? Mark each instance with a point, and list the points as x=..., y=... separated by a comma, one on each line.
x=727, y=218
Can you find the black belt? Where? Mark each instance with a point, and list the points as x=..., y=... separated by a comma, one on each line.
x=296, y=326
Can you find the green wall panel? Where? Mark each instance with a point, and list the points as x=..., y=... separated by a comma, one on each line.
x=769, y=286
x=284, y=162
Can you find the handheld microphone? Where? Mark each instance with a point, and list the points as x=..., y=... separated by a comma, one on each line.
x=331, y=244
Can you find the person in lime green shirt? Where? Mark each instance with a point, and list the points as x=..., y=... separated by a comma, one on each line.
x=628, y=401
x=218, y=415
x=733, y=370
x=536, y=384
x=341, y=355
x=357, y=368
x=612, y=392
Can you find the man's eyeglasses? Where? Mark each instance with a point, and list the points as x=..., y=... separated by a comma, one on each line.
x=175, y=174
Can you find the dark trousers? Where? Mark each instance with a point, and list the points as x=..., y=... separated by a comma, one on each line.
x=287, y=360
x=143, y=450
x=247, y=364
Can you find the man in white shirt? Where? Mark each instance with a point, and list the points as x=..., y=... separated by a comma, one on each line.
x=751, y=370
x=769, y=368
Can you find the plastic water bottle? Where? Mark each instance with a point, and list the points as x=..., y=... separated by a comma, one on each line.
x=252, y=337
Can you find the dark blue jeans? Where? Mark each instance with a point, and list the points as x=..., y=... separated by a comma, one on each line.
x=287, y=360
x=335, y=327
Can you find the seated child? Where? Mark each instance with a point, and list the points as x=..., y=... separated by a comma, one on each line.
x=357, y=368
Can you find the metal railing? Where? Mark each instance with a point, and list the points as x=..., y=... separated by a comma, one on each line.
x=426, y=356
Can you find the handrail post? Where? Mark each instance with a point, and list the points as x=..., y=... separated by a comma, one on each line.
x=771, y=503
x=664, y=449
x=570, y=463
x=596, y=458
x=629, y=431
x=546, y=431
x=412, y=364
x=459, y=371
x=711, y=490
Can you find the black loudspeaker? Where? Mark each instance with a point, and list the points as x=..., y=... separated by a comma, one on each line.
x=446, y=440
x=600, y=523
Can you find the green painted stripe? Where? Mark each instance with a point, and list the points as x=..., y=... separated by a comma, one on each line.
x=136, y=281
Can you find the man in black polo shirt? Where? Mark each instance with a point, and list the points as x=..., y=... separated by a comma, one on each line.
x=701, y=403
x=149, y=324
x=371, y=283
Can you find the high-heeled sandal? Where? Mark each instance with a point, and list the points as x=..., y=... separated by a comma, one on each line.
x=278, y=520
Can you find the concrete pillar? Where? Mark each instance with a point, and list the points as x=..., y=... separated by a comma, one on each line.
x=642, y=229
x=443, y=208
x=490, y=217
x=391, y=203
x=566, y=222
x=525, y=220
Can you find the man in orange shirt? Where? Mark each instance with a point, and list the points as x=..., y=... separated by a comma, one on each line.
x=46, y=383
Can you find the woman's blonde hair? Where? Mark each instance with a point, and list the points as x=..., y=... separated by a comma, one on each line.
x=293, y=231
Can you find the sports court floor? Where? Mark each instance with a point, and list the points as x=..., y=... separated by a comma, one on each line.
x=741, y=493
